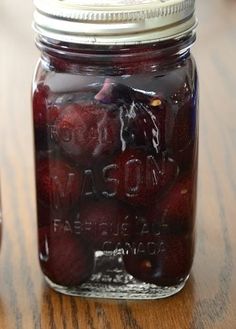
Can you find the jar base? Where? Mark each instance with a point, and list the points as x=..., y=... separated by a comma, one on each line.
x=135, y=290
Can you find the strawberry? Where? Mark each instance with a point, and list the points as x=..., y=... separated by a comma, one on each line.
x=104, y=221
x=141, y=178
x=165, y=261
x=64, y=259
x=88, y=132
x=44, y=114
x=58, y=183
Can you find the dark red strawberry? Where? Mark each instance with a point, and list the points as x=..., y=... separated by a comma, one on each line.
x=105, y=221
x=58, y=183
x=140, y=178
x=64, y=259
x=44, y=113
x=165, y=261
x=88, y=132
x=176, y=210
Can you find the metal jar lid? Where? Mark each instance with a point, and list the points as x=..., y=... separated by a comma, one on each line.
x=112, y=22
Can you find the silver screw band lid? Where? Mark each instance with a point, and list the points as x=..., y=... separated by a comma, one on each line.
x=115, y=21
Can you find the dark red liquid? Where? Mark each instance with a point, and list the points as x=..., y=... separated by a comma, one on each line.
x=116, y=162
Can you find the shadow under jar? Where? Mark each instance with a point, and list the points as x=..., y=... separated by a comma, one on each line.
x=115, y=116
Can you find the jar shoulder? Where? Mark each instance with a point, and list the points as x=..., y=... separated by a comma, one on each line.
x=158, y=79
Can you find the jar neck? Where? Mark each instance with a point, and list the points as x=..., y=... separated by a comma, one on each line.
x=114, y=59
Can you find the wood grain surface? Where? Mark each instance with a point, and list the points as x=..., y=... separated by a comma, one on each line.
x=209, y=299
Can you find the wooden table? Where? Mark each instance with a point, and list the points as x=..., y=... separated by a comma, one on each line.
x=209, y=299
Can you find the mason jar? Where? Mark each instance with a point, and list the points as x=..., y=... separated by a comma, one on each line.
x=115, y=116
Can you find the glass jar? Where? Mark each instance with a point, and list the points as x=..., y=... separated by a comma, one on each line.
x=115, y=111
